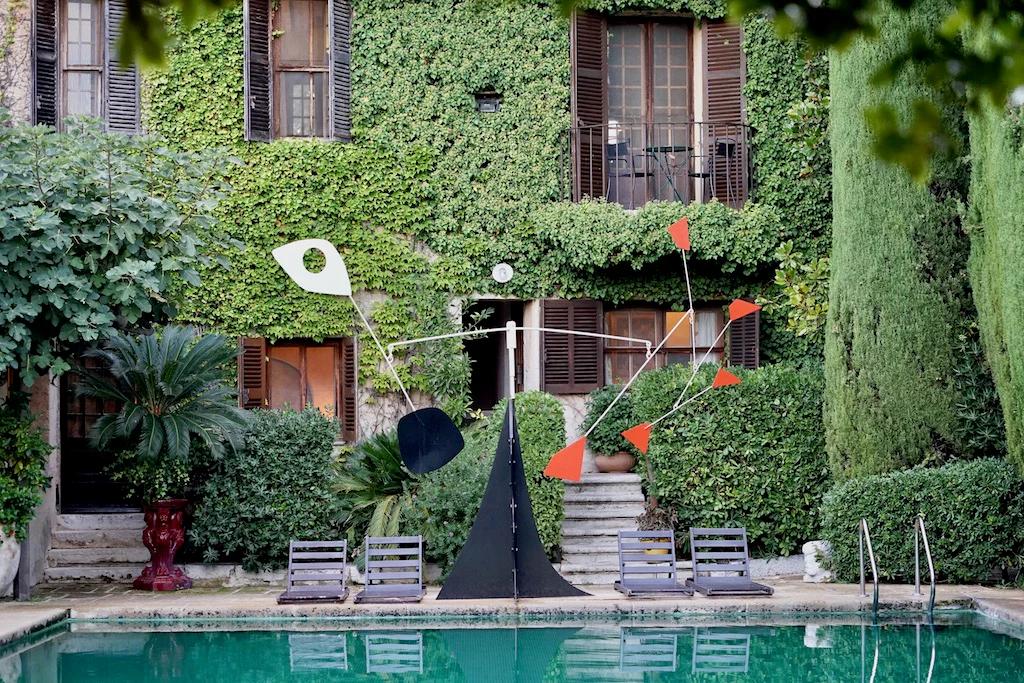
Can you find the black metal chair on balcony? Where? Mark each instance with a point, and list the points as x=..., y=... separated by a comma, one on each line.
x=702, y=167
x=727, y=148
x=622, y=164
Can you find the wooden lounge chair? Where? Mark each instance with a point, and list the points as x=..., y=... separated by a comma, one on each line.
x=721, y=563
x=647, y=565
x=394, y=569
x=316, y=572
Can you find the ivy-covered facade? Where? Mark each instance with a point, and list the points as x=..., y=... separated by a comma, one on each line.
x=430, y=141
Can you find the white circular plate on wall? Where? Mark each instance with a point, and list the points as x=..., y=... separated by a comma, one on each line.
x=502, y=273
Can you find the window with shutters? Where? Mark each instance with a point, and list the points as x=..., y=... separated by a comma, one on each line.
x=658, y=110
x=297, y=75
x=571, y=364
x=295, y=374
x=745, y=341
x=77, y=68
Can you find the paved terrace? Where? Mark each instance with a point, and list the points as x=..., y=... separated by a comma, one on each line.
x=792, y=597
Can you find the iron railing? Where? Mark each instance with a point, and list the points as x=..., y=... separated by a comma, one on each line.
x=635, y=163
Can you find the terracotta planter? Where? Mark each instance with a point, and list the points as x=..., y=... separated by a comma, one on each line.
x=620, y=462
x=164, y=535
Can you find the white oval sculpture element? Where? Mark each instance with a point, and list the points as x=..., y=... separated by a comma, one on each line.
x=333, y=279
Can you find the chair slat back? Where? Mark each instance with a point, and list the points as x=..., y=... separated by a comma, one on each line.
x=392, y=560
x=316, y=566
x=645, y=555
x=398, y=652
x=719, y=551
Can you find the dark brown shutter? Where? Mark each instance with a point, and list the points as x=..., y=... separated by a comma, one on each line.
x=589, y=56
x=745, y=342
x=349, y=391
x=572, y=364
x=122, y=80
x=45, y=62
x=252, y=373
x=257, y=70
x=723, y=99
x=341, y=73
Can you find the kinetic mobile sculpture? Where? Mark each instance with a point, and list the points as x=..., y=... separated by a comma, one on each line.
x=503, y=556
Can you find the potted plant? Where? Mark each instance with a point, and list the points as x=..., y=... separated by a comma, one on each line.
x=23, y=456
x=172, y=391
x=612, y=453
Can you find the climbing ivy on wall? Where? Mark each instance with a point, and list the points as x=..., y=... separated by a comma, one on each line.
x=433, y=193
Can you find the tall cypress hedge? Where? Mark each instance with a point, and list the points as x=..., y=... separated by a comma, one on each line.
x=899, y=292
x=997, y=258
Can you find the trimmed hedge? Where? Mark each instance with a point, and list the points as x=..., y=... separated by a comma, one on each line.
x=750, y=455
x=276, y=489
x=447, y=500
x=973, y=511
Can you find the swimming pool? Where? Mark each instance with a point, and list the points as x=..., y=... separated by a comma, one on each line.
x=964, y=647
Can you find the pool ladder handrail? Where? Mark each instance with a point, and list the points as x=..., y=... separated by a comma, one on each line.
x=920, y=534
x=864, y=536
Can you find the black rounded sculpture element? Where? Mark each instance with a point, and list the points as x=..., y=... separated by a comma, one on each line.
x=428, y=440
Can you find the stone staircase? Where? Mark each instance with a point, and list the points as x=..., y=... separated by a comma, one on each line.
x=96, y=547
x=596, y=508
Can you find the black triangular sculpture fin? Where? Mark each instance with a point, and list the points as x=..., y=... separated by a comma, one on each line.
x=497, y=562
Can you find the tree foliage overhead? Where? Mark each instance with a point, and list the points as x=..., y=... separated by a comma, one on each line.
x=95, y=227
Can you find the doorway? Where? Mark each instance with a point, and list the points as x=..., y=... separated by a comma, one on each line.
x=488, y=356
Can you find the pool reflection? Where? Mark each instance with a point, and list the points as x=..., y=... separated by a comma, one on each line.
x=590, y=653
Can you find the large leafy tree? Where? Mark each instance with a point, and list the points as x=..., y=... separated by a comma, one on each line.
x=94, y=229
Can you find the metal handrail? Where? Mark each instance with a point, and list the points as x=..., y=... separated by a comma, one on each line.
x=865, y=536
x=920, y=534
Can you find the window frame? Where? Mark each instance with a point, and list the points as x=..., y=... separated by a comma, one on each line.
x=647, y=24
x=63, y=68
x=278, y=68
x=304, y=345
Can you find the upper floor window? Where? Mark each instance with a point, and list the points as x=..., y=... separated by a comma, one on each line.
x=297, y=75
x=658, y=110
x=77, y=70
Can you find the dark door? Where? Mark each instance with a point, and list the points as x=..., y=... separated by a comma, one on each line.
x=85, y=485
x=489, y=369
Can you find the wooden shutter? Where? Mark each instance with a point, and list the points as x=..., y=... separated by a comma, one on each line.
x=745, y=341
x=257, y=70
x=122, y=80
x=349, y=391
x=589, y=57
x=45, y=62
x=341, y=72
x=723, y=102
x=571, y=364
x=252, y=373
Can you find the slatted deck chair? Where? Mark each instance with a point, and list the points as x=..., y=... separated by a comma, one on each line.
x=716, y=651
x=721, y=563
x=394, y=653
x=316, y=572
x=394, y=569
x=318, y=651
x=647, y=650
x=647, y=565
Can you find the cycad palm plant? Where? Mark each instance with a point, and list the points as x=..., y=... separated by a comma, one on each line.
x=171, y=389
x=375, y=487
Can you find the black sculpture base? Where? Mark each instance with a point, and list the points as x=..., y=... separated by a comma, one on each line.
x=497, y=560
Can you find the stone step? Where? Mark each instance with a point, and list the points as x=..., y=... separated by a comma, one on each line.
x=589, y=544
x=62, y=557
x=86, y=522
x=604, y=495
x=581, y=577
x=113, y=573
x=96, y=538
x=572, y=528
x=590, y=562
x=603, y=512
x=607, y=478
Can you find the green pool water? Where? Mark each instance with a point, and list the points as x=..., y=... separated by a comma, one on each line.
x=960, y=650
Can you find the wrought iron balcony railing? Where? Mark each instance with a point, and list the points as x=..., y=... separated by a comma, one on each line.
x=635, y=163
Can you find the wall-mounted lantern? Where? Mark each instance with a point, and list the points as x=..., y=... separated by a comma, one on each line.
x=488, y=101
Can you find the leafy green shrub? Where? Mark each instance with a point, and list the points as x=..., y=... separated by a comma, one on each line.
x=373, y=488
x=276, y=488
x=973, y=511
x=446, y=502
x=749, y=455
x=23, y=456
x=607, y=439
x=145, y=480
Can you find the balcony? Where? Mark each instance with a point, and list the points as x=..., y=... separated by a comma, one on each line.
x=635, y=163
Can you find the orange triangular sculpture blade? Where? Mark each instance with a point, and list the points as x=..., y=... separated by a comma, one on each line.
x=724, y=378
x=680, y=231
x=567, y=463
x=639, y=436
x=739, y=308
